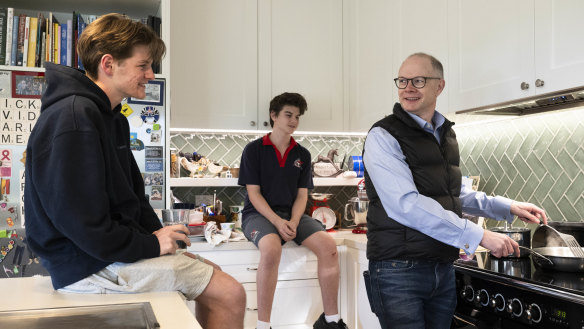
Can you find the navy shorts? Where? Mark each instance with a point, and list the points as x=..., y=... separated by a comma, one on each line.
x=256, y=226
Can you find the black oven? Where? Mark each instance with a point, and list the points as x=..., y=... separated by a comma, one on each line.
x=513, y=293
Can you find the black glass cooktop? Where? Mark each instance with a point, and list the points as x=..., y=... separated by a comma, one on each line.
x=525, y=269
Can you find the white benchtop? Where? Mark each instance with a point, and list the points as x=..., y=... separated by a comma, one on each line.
x=37, y=293
x=341, y=237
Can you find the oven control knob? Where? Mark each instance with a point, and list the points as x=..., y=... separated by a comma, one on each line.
x=498, y=302
x=533, y=313
x=468, y=293
x=482, y=297
x=514, y=307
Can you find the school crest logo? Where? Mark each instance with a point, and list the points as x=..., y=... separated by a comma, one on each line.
x=298, y=163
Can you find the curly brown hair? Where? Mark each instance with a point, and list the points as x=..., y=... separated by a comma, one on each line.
x=291, y=99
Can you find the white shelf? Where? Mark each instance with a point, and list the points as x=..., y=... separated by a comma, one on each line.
x=202, y=182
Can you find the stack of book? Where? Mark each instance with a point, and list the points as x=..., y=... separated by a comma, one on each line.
x=31, y=41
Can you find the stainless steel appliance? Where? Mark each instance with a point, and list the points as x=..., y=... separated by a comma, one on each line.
x=515, y=293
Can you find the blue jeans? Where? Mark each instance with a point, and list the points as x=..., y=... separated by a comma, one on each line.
x=411, y=294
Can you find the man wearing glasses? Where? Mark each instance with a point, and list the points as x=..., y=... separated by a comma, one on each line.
x=415, y=229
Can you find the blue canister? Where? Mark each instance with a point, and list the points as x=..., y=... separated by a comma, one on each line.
x=356, y=164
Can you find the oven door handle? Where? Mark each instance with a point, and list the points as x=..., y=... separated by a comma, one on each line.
x=463, y=321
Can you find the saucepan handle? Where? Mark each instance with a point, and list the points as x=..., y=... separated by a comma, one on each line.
x=537, y=254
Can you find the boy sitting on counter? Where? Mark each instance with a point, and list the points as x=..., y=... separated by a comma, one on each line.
x=277, y=175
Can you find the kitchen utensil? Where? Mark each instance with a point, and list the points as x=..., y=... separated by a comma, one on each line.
x=521, y=235
x=529, y=251
x=560, y=259
x=575, y=229
x=326, y=216
x=320, y=196
x=357, y=209
x=547, y=236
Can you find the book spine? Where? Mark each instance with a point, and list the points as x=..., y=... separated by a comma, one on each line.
x=15, y=25
x=32, y=41
x=63, y=44
x=3, y=31
x=50, y=26
x=44, y=49
x=20, y=44
x=56, y=41
x=79, y=32
x=25, y=42
x=9, y=28
x=39, y=44
x=69, y=42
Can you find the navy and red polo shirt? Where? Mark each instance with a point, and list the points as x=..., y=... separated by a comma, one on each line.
x=279, y=176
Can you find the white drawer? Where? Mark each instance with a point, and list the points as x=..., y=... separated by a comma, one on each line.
x=295, y=264
x=295, y=302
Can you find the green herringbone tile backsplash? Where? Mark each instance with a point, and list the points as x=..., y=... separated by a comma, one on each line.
x=537, y=158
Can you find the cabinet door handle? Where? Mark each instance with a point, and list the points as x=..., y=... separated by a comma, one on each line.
x=266, y=124
x=251, y=309
x=539, y=83
x=524, y=86
x=252, y=123
x=252, y=268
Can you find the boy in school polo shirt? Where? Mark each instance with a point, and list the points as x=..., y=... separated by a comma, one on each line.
x=276, y=173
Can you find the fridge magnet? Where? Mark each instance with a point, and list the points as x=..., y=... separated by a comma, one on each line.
x=155, y=137
x=156, y=178
x=156, y=193
x=136, y=145
x=136, y=121
x=154, y=152
x=28, y=84
x=154, y=165
x=126, y=110
x=149, y=114
x=156, y=126
x=154, y=94
x=5, y=89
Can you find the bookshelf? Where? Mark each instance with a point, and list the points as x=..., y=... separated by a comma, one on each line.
x=136, y=9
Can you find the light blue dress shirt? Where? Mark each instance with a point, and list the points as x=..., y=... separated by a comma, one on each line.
x=394, y=183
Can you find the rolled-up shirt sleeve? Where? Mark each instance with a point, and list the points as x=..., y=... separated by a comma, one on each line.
x=394, y=184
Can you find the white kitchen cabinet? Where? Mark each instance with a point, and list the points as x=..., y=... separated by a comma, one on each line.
x=491, y=52
x=421, y=26
x=359, y=315
x=368, y=63
x=504, y=50
x=297, y=300
x=214, y=64
x=379, y=35
x=230, y=58
x=301, y=50
x=559, y=44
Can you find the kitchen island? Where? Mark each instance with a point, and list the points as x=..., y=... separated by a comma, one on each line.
x=35, y=293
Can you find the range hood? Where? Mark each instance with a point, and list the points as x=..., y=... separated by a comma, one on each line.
x=557, y=100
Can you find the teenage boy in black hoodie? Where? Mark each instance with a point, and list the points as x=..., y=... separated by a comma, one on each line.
x=87, y=214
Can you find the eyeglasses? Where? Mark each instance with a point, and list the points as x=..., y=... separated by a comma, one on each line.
x=417, y=82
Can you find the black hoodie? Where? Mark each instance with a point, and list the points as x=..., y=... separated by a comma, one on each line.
x=84, y=194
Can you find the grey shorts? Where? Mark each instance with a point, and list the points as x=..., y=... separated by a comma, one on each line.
x=165, y=273
x=256, y=226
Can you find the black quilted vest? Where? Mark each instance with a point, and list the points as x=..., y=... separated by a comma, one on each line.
x=436, y=173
